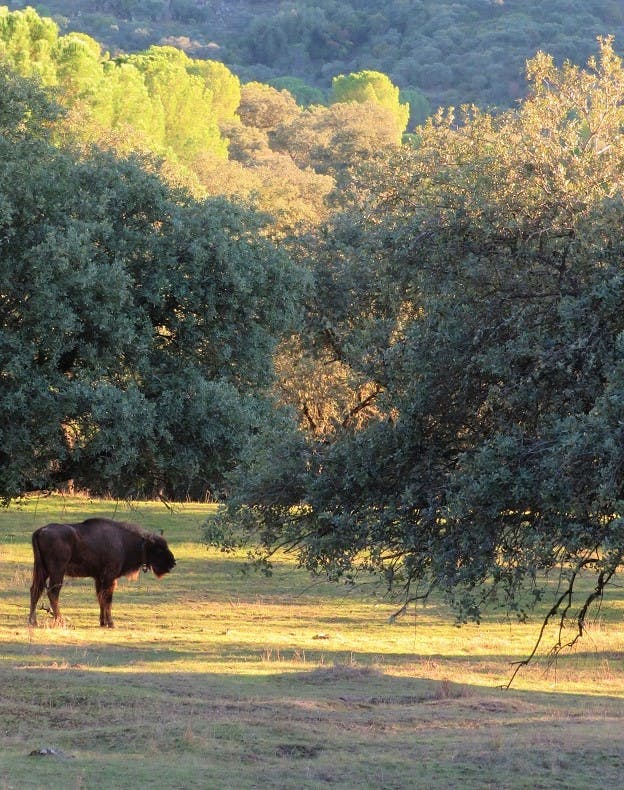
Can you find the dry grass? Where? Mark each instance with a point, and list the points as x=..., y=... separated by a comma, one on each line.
x=217, y=680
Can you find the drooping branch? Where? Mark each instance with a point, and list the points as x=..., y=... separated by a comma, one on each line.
x=409, y=600
x=562, y=606
x=604, y=578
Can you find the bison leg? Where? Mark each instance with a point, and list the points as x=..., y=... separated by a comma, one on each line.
x=105, y=590
x=54, y=590
x=36, y=590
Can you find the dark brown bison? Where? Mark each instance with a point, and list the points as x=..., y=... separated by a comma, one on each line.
x=98, y=547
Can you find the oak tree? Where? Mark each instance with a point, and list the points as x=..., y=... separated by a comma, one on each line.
x=477, y=284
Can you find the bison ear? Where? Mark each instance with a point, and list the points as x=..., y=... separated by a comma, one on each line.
x=162, y=532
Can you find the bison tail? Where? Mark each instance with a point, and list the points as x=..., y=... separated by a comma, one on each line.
x=40, y=572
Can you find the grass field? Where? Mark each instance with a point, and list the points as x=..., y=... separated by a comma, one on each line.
x=213, y=679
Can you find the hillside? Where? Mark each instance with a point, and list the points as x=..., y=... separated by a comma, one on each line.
x=464, y=51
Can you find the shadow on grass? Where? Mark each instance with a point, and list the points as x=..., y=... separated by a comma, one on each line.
x=151, y=655
x=342, y=726
x=293, y=712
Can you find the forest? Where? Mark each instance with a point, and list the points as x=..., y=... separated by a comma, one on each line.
x=387, y=353
x=452, y=51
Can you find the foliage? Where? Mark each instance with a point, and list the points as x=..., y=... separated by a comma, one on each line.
x=453, y=51
x=335, y=138
x=189, y=124
x=476, y=284
x=159, y=98
x=419, y=106
x=371, y=86
x=138, y=325
x=223, y=85
x=266, y=108
x=305, y=95
x=196, y=115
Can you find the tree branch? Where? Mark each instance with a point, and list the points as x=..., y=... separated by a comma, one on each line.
x=604, y=577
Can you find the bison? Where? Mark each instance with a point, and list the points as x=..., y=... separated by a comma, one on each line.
x=99, y=548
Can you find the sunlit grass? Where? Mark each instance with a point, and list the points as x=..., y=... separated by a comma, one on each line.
x=297, y=683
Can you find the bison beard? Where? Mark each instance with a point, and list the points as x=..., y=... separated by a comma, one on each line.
x=99, y=548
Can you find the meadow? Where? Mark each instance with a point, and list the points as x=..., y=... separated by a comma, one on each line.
x=217, y=679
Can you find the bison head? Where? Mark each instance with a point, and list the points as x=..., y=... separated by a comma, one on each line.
x=158, y=555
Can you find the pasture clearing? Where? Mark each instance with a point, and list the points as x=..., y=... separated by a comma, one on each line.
x=212, y=679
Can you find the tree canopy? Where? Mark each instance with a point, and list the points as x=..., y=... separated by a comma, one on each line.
x=372, y=86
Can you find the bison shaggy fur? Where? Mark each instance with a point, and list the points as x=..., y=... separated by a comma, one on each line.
x=99, y=548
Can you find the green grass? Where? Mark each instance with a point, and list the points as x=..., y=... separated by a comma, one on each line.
x=213, y=679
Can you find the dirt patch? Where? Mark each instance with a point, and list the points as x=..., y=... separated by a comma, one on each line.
x=497, y=706
x=298, y=750
x=51, y=751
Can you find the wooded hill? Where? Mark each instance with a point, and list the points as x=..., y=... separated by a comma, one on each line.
x=214, y=135
x=456, y=52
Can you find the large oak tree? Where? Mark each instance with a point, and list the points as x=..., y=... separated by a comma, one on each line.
x=137, y=325
x=476, y=288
